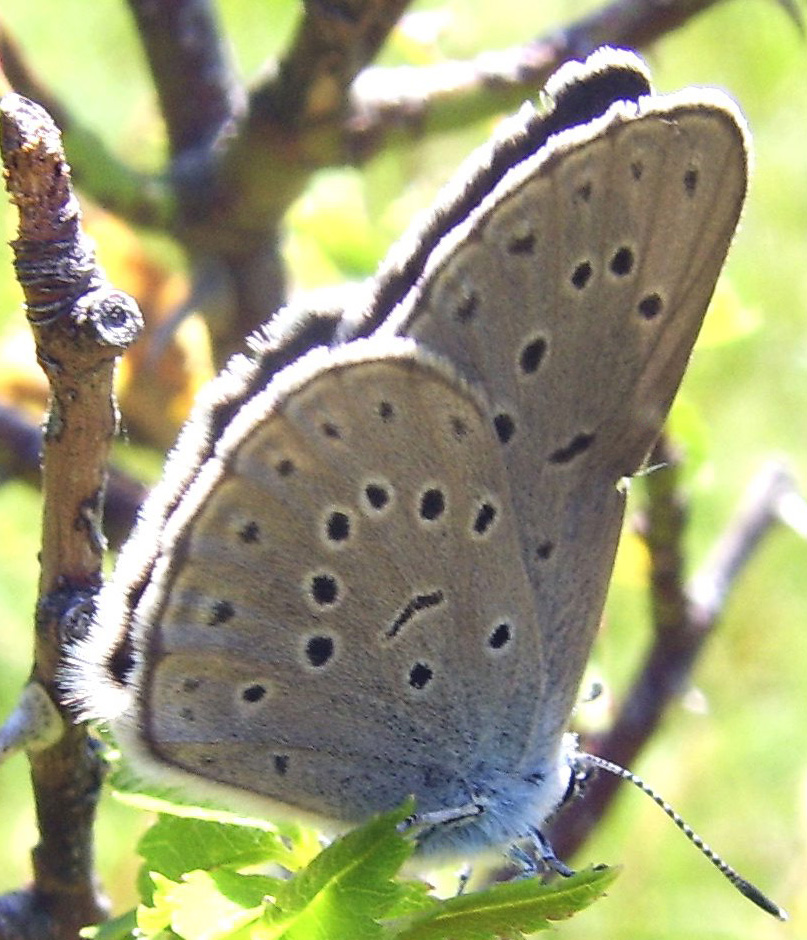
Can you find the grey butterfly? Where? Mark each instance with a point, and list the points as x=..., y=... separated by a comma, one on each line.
x=380, y=551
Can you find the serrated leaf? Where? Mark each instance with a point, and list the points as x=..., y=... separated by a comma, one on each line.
x=302, y=838
x=505, y=911
x=186, y=838
x=347, y=889
x=414, y=896
x=175, y=845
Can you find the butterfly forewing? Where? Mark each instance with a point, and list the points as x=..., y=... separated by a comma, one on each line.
x=573, y=294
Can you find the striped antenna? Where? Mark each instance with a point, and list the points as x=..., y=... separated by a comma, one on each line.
x=587, y=761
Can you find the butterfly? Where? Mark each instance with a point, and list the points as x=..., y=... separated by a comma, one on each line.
x=379, y=553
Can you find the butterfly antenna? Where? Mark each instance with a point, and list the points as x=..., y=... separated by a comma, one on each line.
x=744, y=887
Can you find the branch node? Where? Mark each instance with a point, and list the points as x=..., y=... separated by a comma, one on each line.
x=34, y=724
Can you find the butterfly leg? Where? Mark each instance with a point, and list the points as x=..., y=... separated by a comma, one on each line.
x=427, y=823
x=463, y=878
x=538, y=855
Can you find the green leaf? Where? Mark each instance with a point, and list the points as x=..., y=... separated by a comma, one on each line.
x=330, y=235
x=175, y=845
x=204, y=905
x=347, y=889
x=187, y=838
x=689, y=430
x=156, y=916
x=344, y=892
x=505, y=911
x=118, y=928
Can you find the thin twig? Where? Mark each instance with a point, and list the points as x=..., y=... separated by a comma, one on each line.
x=80, y=325
x=684, y=616
x=763, y=505
x=403, y=101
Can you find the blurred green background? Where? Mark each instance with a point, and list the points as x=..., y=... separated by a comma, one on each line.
x=731, y=758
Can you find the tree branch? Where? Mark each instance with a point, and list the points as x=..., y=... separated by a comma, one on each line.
x=238, y=166
x=200, y=95
x=406, y=101
x=334, y=42
x=20, y=452
x=81, y=325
